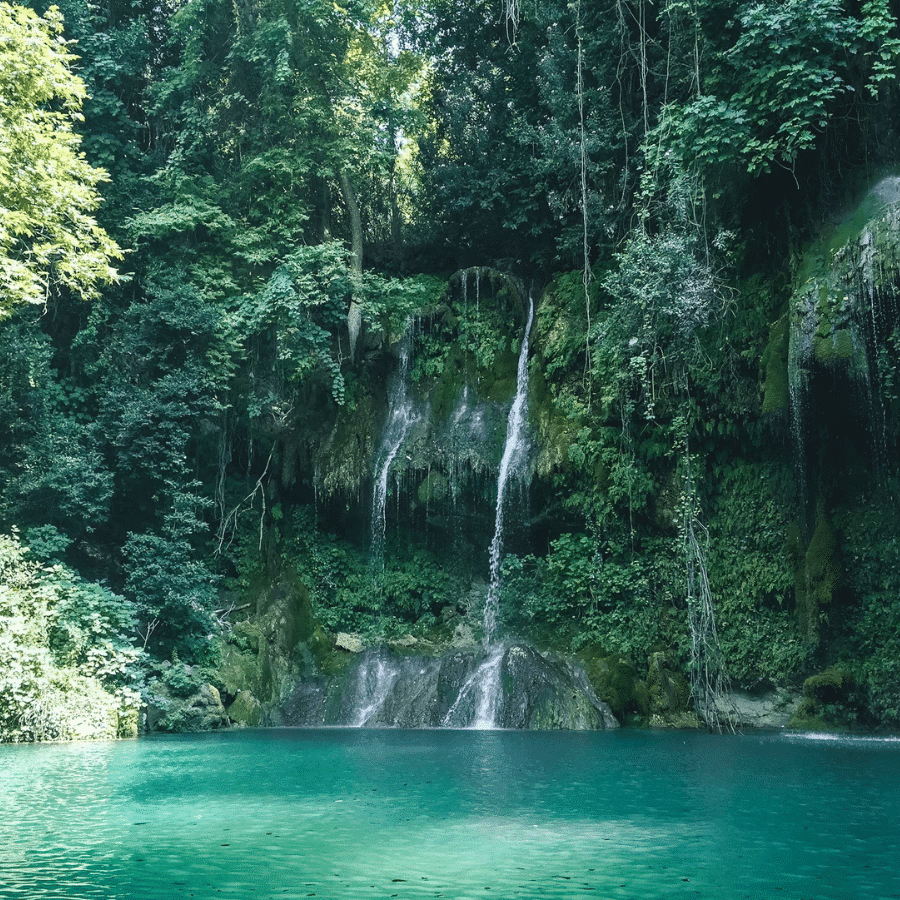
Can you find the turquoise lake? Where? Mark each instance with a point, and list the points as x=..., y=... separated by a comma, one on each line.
x=360, y=813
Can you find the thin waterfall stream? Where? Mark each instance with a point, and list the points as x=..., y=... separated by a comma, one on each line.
x=510, y=465
x=401, y=417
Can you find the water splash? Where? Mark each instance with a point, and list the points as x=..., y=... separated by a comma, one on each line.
x=478, y=701
x=510, y=464
x=375, y=682
x=401, y=417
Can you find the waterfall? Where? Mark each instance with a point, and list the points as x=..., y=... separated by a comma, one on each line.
x=479, y=698
x=374, y=683
x=512, y=686
x=401, y=417
x=509, y=465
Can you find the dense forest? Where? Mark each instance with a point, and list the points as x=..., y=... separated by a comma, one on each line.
x=232, y=234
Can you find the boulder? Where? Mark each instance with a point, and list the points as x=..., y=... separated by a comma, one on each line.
x=669, y=695
x=245, y=709
x=201, y=711
x=352, y=643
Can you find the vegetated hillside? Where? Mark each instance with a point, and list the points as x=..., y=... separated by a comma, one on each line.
x=697, y=195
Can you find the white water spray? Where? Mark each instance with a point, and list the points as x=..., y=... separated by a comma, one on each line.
x=375, y=682
x=477, y=702
x=513, y=455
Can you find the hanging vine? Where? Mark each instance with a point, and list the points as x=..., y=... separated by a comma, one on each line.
x=587, y=275
x=710, y=683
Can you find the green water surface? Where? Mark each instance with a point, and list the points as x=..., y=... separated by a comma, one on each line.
x=355, y=813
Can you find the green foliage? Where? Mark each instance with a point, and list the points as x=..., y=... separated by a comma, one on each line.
x=390, y=302
x=48, y=192
x=179, y=679
x=338, y=578
x=774, y=88
x=752, y=577
x=618, y=148
x=347, y=595
x=816, y=578
x=174, y=593
x=303, y=302
x=666, y=292
x=51, y=453
x=501, y=152
x=871, y=547
x=595, y=594
x=66, y=655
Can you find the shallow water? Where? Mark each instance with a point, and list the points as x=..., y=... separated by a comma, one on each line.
x=358, y=813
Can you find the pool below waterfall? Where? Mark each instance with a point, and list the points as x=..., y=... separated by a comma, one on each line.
x=360, y=813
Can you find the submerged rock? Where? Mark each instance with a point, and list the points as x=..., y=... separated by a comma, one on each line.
x=511, y=687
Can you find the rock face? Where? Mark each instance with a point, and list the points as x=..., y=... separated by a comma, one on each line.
x=201, y=711
x=774, y=709
x=512, y=687
x=670, y=696
x=245, y=709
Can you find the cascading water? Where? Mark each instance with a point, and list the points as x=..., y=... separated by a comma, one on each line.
x=401, y=417
x=510, y=464
x=477, y=702
x=375, y=680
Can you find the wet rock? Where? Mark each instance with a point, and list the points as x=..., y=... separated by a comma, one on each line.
x=512, y=687
x=772, y=709
x=540, y=693
x=463, y=636
x=201, y=711
x=669, y=695
x=615, y=680
x=245, y=710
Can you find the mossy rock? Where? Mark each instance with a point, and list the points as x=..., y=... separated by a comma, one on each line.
x=245, y=710
x=687, y=719
x=202, y=711
x=834, y=347
x=238, y=670
x=499, y=384
x=774, y=362
x=833, y=685
x=329, y=659
x=556, y=429
x=669, y=695
x=806, y=720
x=816, y=578
x=616, y=682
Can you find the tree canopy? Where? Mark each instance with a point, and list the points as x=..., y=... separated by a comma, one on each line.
x=49, y=238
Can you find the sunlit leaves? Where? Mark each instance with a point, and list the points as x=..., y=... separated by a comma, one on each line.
x=48, y=192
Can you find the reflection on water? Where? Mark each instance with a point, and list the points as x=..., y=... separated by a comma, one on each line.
x=344, y=814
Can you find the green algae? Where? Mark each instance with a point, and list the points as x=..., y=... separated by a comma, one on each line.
x=774, y=362
x=817, y=576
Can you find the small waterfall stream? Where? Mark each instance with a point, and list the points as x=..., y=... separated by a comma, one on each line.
x=513, y=456
x=477, y=702
x=401, y=417
x=375, y=680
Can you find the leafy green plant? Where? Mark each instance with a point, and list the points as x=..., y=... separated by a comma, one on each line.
x=67, y=658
